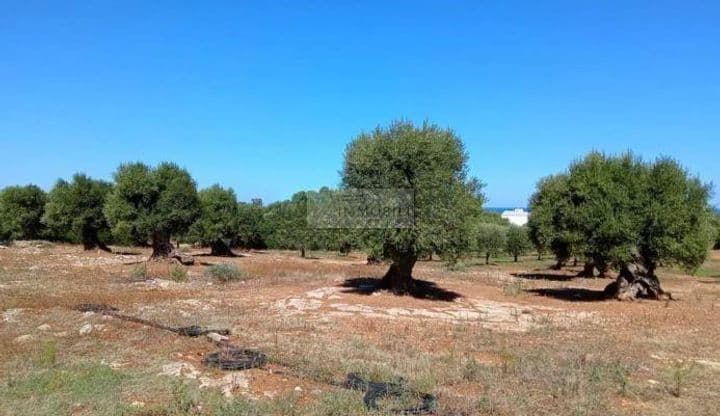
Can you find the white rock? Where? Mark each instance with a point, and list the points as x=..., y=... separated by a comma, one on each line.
x=86, y=329
x=137, y=404
x=44, y=327
x=62, y=334
x=11, y=315
x=298, y=389
x=24, y=338
x=214, y=336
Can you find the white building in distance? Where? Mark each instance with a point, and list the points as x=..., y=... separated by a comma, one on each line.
x=516, y=216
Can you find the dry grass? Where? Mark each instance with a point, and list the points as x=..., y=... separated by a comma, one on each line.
x=646, y=358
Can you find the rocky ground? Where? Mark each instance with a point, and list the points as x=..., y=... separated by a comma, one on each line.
x=501, y=339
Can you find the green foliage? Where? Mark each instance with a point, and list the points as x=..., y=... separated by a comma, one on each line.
x=139, y=271
x=151, y=203
x=517, y=241
x=75, y=210
x=249, y=226
x=491, y=240
x=178, y=273
x=218, y=219
x=21, y=210
x=432, y=163
x=549, y=222
x=616, y=210
x=48, y=354
x=285, y=224
x=225, y=272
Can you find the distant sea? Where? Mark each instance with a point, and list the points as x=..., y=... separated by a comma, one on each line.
x=500, y=210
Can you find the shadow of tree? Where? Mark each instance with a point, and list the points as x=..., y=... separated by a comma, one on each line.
x=423, y=289
x=555, y=277
x=229, y=256
x=571, y=294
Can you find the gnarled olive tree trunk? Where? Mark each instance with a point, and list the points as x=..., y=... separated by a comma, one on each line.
x=164, y=249
x=636, y=281
x=398, y=278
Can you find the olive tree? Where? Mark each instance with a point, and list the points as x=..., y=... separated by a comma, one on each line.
x=550, y=216
x=491, y=240
x=431, y=163
x=250, y=231
x=635, y=216
x=157, y=203
x=217, y=225
x=285, y=224
x=517, y=241
x=75, y=209
x=21, y=210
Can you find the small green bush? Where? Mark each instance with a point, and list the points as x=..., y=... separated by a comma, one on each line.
x=225, y=272
x=178, y=273
x=139, y=271
x=48, y=354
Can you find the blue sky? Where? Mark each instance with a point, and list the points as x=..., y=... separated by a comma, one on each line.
x=264, y=96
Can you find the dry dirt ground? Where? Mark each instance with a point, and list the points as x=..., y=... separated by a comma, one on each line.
x=505, y=339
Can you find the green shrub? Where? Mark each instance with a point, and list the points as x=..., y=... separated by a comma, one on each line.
x=178, y=273
x=225, y=272
x=139, y=271
x=48, y=354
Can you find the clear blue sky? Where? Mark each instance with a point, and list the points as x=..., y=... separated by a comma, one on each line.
x=264, y=96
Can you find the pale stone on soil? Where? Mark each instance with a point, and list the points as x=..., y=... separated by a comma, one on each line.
x=86, y=329
x=214, y=336
x=44, y=327
x=24, y=338
x=11, y=315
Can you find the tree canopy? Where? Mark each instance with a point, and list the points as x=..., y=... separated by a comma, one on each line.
x=491, y=240
x=623, y=212
x=75, y=210
x=21, y=210
x=517, y=241
x=217, y=225
x=430, y=162
x=152, y=203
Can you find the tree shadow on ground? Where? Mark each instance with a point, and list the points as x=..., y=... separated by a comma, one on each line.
x=571, y=294
x=229, y=256
x=554, y=277
x=423, y=289
x=126, y=253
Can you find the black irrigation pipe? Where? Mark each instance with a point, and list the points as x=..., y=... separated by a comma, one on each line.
x=377, y=390
x=231, y=357
x=188, y=331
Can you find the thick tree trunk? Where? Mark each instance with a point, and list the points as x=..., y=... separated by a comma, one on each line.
x=91, y=240
x=164, y=249
x=515, y=257
x=398, y=278
x=559, y=264
x=588, y=270
x=636, y=281
x=302, y=251
x=487, y=258
x=602, y=269
x=220, y=249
